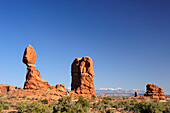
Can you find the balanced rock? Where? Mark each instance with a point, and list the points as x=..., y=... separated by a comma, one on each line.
x=33, y=77
x=29, y=55
x=154, y=92
x=82, y=76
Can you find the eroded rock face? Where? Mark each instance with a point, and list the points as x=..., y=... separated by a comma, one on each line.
x=34, y=80
x=154, y=92
x=61, y=88
x=82, y=76
x=33, y=77
x=4, y=88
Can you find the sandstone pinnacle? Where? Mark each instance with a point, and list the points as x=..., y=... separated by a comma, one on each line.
x=82, y=76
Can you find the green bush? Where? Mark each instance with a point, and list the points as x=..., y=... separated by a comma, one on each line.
x=6, y=107
x=108, y=98
x=64, y=104
x=103, y=105
x=34, y=107
x=109, y=111
x=147, y=107
x=93, y=97
x=45, y=101
x=82, y=104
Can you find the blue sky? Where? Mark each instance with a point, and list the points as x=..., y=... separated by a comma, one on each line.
x=128, y=40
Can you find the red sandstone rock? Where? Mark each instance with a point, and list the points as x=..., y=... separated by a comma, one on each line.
x=29, y=55
x=33, y=77
x=154, y=92
x=82, y=76
x=61, y=88
x=8, y=88
x=34, y=80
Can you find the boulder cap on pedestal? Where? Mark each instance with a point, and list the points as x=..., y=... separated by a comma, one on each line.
x=29, y=55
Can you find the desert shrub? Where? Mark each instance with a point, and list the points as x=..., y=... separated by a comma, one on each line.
x=7, y=102
x=147, y=107
x=63, y=104
x=2, y=100
x=21, y=107
x=142, y=98
x=6, y=107
x=93, y=97
x=34, y=107
x=102, y=106
x=1, y=95
x=108, y=98
x=109, y=111
x=45, y=101
x=122, y=104
x=82, y=104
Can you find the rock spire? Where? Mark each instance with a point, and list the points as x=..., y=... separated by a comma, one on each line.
x=33, y=77
x=82, y=76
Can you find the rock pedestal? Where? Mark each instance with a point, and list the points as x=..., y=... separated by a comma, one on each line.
x=33, y=77
x=34, y=80
x=154, y=92
x=82, y=76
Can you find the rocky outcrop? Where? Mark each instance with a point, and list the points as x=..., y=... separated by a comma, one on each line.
x=82, y=76
x=33, y=77
x=4, y=88
x=154, y=92
x=61, y=88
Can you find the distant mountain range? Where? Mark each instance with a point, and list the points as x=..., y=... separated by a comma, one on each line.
x=119, y=92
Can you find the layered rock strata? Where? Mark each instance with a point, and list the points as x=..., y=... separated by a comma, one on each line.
x=154, y=92
x=82, y=76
